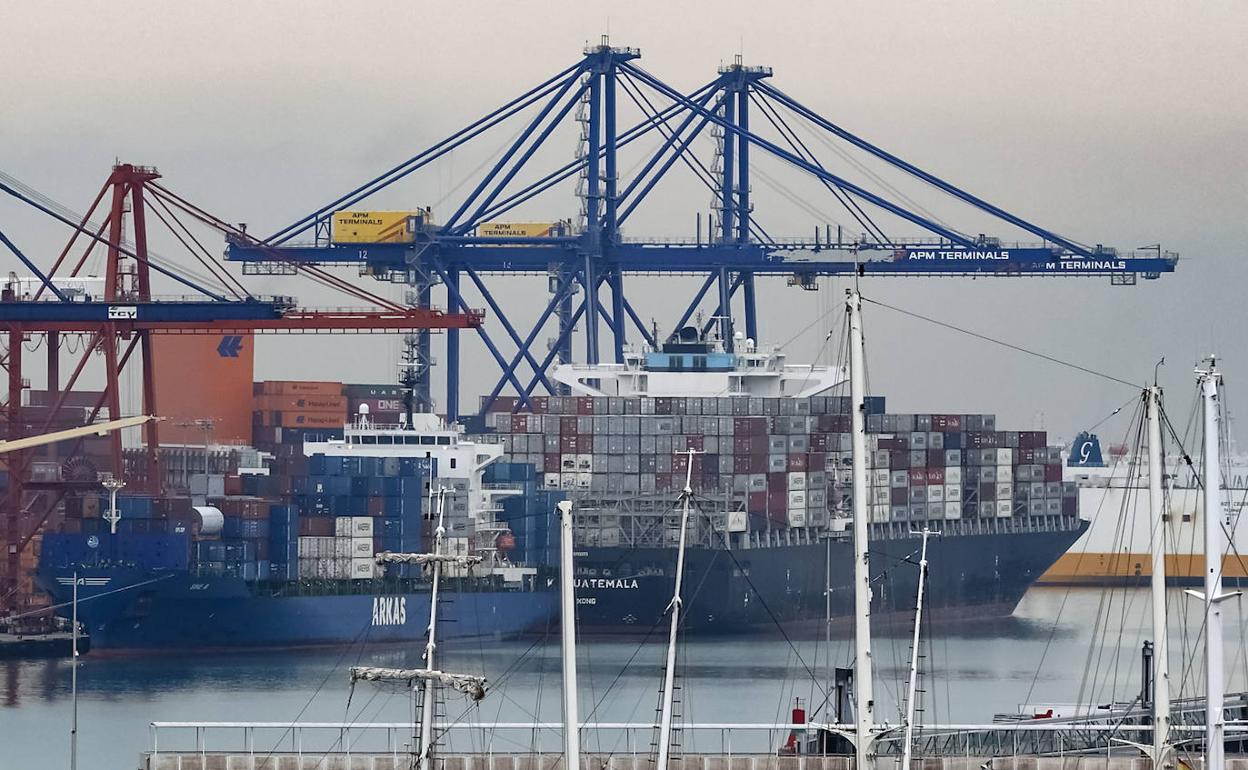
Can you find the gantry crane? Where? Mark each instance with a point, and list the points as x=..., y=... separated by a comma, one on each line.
x=748, y=117
x=121, y=321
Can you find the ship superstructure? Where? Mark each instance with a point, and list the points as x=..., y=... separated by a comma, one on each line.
x=1113, y=495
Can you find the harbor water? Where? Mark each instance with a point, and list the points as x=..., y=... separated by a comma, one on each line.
x=1061, y=646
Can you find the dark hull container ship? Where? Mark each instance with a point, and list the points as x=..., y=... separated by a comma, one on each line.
x=275, y=549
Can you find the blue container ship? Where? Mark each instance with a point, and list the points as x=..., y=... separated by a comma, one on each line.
x=245, y=572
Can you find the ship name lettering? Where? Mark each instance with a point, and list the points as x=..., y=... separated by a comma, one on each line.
x=608, y=583
x=389, y=610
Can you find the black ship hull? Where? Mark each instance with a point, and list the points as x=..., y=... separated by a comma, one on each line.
x=757, y=590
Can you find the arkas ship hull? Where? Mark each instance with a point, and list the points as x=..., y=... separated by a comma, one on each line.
x=176, y=612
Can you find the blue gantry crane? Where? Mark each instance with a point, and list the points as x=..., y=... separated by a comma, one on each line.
x=729, y=254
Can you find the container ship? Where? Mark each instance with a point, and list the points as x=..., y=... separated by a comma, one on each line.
x=1113, y=494
x=271, y=546
x=771, y=476
x=277, y=549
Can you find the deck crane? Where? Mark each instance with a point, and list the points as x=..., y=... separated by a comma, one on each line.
x=118, y=320
x=729, y=254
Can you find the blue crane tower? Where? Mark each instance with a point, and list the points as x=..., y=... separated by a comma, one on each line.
x=591, y=258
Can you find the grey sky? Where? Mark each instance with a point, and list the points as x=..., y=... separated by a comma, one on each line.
x=1118, y=122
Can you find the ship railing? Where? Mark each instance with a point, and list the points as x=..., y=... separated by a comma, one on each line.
x=259, y=743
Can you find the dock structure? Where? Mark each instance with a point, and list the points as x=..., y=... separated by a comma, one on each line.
x=1031, y=745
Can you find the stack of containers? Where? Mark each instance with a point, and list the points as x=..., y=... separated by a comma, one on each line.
x=786, y=462
x=528, y=515
x=338, y=495
x=298, y=405
x=244, y=546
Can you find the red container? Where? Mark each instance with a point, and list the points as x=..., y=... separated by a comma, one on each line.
x=550, y=463
x=816, y=461
x=778, y=484
x=936, y=458
x=567, y=426
x=935, y=476
x=741, y=464
x=899, y=496
x=540, y=404
x=567, y=444
x=756, y=502
x=1052, y=473
x=316, y=526
x=663, y=406
x=376, y=506
x=502, y=403
x=519, y=423
x=758, y=463
x=819, y=442
x=898, y=460
x=797, y=462
x=694, y=442
x=584, y=405
x=918, y=477
x=680, y=462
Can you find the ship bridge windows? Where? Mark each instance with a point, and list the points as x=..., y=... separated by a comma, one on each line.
x=366, y=439
x=444, y=440
x=426, y=440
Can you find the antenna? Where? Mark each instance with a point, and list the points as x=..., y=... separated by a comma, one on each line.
x=112, y=516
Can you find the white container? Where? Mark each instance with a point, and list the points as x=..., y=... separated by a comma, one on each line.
x=797, y=499
x=880, y=476
x=936, y=493
x=1005, y=492
x=342, y=547
x=1005, y=456
x=363, y=569
x=361, y=526
x=342, y=526
x=1004, y=473
x=953, y=493
x=1005, y=509
x=361, y=548
x=797, y=517
x=797, y=481
x=953, y=475
x=550, y=480
x=953, y=510
x=738, y=521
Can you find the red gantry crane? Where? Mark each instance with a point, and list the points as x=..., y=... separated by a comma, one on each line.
x=117, y=326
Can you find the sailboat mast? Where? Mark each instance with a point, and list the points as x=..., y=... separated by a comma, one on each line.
x=1157, y=584
x=430, y=703
x=73, y=730
x=914, y=652
x=864, y=707
x=1214, y=723
x=669, y=671
x=567, y=639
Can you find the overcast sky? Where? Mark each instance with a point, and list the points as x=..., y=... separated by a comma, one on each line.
x=1120, y=123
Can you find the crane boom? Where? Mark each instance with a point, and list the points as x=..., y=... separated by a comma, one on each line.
x=97, y=429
